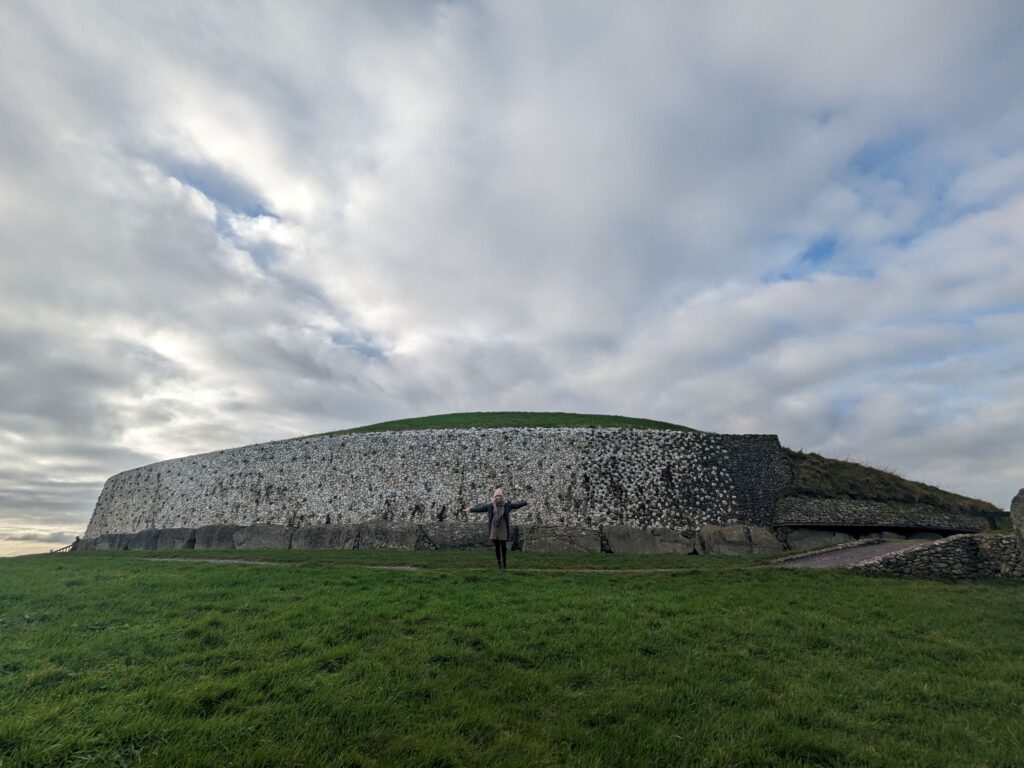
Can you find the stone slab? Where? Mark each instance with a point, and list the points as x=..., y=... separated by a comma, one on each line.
x=111, y=541
x=623, y=539
x=263, y=536
x=384, y=534
x=814, y=538
x=147, y=539
x=457, y=536
x=737, y=540
x=1017, y=516
x=553, y=538
x=176, y=538
x=339, y=536
x=218, y=536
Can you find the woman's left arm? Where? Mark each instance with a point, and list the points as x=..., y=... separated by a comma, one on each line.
x=517, y=504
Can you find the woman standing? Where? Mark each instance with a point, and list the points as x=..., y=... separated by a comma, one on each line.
x=497, y=522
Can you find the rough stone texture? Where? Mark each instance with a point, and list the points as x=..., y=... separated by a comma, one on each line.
x=925, y=536
x=111, y=541
x=800, y=511
x=887, y=535
x=458, y=536
x=176, y=538
x=552, y=538
x=383, y=534
x=737, y=540
x=575, y=477
x=344, y=536
x=622, y=539
x=813, y=538
x=263, y=536
x=1017, y=515
x=216, y=536
x=967, y=556
x=148, y=539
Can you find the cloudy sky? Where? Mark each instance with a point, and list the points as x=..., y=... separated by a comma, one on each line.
x=224, y=223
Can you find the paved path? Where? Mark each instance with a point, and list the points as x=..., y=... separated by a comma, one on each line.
x=843, y=558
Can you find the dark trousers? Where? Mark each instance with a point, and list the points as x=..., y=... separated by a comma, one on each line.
x=501, y=552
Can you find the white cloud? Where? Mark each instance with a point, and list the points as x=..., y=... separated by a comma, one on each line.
x=220, y=227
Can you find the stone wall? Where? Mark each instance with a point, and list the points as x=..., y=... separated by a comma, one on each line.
x=806, y=511
x=967, y=556
x=583, y=478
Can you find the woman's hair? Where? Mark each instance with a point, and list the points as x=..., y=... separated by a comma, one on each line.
x=496, y=492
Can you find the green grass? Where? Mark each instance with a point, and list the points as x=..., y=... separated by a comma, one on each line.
x=106, y=659
x=492, y=419
x=815, y=475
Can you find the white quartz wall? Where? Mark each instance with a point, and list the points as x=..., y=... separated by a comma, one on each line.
x=585, y=477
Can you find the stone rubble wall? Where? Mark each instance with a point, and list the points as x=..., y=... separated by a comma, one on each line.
x=807, y=511
x=966, y=556
x=580, y=478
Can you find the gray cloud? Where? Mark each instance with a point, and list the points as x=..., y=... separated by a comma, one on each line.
x=220, y=227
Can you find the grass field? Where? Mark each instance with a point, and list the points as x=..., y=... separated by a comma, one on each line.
x=320, y=659
x=491, y=419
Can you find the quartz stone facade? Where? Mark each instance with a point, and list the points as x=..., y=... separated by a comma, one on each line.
x=572, y=477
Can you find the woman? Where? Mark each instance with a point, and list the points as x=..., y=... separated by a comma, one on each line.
x=497, y=522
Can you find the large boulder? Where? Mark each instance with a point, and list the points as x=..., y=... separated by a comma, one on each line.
x=340, y=536
x=112, y=541
x=218, y=536
x=737, y=540
x=625, y=539
x=387, y=534
x=176, y=538
x=815, y=538
x=456, y=536
x=263, y=536
x=1017, y=516
x=557, y=538
x=147, y=539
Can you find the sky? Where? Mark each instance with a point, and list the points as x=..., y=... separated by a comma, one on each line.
x=225, y=223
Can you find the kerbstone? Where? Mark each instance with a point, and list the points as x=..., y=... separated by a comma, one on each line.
x=1017, y=516
x=176, y=538
x=737, y=540
x=342, y=536
x=811, y=538
x=647, y=541
x=386, y=534
x=459, y=535
x=218, y=536
x=263, y=536
x=147, y=539
x=554, y=538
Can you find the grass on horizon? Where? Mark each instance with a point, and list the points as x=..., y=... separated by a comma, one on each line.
x=493, y=419
x=107, y=659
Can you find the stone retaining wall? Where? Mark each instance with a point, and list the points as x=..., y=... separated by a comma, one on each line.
x=804, y=511
x=582, y=478
x=966, y=556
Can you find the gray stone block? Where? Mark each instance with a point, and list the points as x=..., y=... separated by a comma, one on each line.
x=623, y=539
x=341, y=536
x=813, y=538
x=386, y=534
x=112, y=541
x=737, y=540
x=147, y=539
x=925, y=536
x=1017, y=516
x=176, y=538
x=457, y=536
x=892, y=535
x=556, y=538
x=263, y=536
x=217, y=536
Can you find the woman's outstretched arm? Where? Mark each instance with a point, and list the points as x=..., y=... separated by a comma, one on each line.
x=478, y=508
x=517, y=504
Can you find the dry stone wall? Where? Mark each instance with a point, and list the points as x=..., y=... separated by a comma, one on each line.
x=806, y=511
x=583, y=478
x=967, y=556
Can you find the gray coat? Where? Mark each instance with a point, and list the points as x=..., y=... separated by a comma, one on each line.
x=505, y=507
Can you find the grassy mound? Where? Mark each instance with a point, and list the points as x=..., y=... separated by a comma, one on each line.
x=817, y=476
x=319, y=659
x=492, y=419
